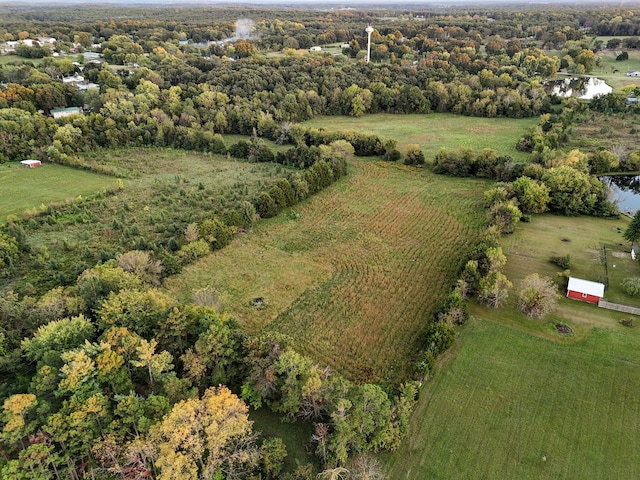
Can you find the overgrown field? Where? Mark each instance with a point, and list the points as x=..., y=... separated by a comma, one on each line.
x=512, y=405
x=354, y=274
x=166, y=191
x=437, y=130
x=618, y=133
x=26, y=188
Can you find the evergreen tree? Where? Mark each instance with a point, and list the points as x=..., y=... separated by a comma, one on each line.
x=632, y=233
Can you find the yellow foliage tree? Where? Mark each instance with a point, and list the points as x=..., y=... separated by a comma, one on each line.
x=201, y=438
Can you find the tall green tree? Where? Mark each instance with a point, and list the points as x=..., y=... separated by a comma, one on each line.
x=632, y=233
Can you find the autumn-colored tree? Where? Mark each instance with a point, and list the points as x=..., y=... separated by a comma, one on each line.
x=537, y=295
x=206, y=438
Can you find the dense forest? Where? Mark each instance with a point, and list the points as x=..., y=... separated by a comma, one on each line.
x=104, y=376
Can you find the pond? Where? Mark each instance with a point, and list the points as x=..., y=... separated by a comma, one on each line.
x=584, y=88
x=625, y=190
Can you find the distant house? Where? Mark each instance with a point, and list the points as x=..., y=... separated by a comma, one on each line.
x=633, y=73
x=65, y=112
x=75, y=78
x=585, y=290
x=345, y=45
x=31, y=163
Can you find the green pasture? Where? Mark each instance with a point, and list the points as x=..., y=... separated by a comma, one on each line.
x=27, y=188
x=615, y=72
x=9, y=59
x=507, y=404
x=587, y=240
x=438, y=130
x=231, y=138
x=353, y=274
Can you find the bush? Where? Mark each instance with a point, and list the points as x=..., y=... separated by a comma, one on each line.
x=194, y=250
x=631, y=285
x=414, y=155
x=9, y=252
x=562, y=261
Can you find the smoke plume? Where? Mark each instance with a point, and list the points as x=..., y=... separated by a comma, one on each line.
x=244, y=28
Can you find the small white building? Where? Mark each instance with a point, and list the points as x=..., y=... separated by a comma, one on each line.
x=74, y=79
x=315, y=49
x=31, y=163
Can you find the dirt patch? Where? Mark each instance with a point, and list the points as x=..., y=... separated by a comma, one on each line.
x=258, y=303
x=563, y=329
x=619, y=254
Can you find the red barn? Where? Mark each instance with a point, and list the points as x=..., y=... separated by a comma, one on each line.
x=585, y=290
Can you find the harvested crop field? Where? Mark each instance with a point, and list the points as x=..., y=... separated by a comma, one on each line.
x=354, y=274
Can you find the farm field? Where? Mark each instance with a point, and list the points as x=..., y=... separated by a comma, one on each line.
x=25, y=188
x=437, y=130
x=353, y=274
x=512, y=405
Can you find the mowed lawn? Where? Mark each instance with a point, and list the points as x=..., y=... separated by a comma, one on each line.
x=24, y=188
x=511, y=405
x=354, y=274
x=588, y=241
x=437, y=130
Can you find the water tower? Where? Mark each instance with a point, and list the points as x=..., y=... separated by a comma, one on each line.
x=369, y=31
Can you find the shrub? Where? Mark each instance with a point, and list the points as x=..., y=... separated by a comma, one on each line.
x=216, y=233
x=562, y=261
x=9, y=252
x=453, y=309
x=141, y=264
x=631, y=285
x=194, y=250
x=414, y=155
x=627, y=322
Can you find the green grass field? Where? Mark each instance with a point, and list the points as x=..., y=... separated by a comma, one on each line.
x=354, y=274
x=531, y=247
x=615, y=72
x=511, y=405
x=26, y=188
x=437, y=130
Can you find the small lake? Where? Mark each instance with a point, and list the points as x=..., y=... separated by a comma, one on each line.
x=625, y=190
x=584, y=88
